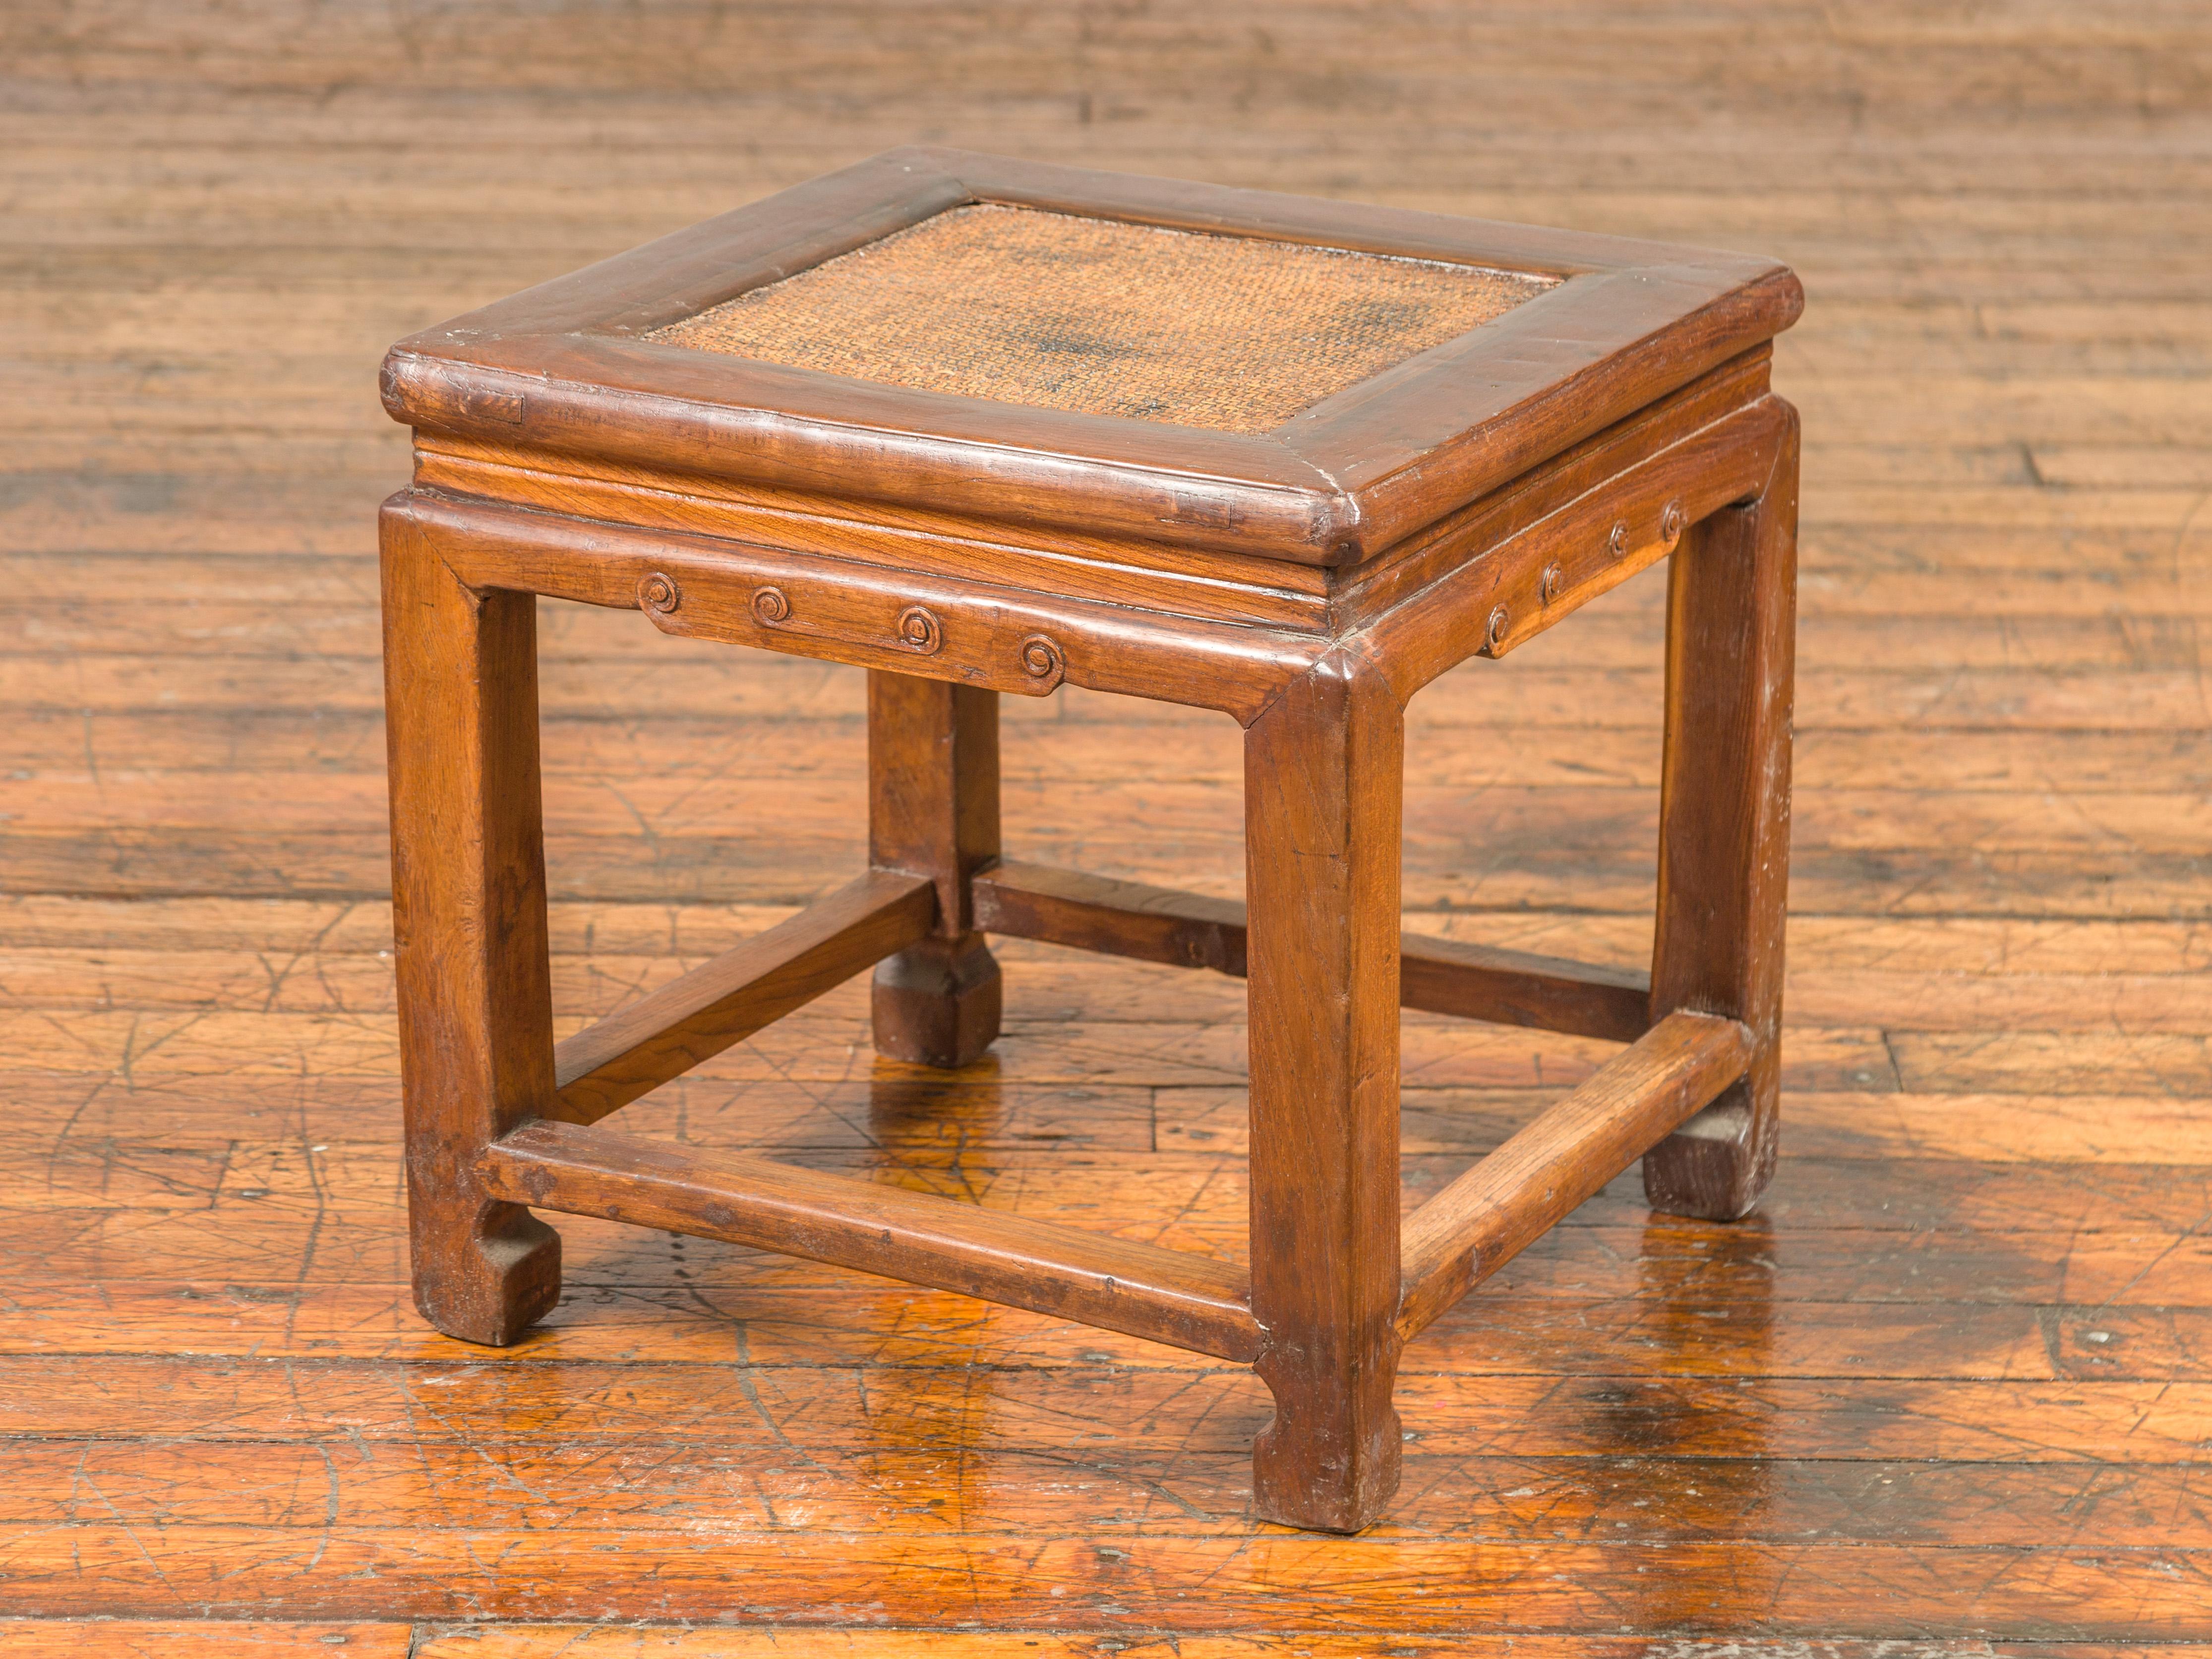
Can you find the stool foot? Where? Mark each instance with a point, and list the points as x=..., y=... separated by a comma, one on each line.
x=938, y=1003
x=1716, y=1166
x=490, y=1284
x=1329, y=1461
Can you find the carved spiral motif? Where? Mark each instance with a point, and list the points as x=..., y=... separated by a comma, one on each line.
x=1671, y=523
x=659, y=594
x=1041, y=660
x=1496, y=629
x=919, y=630
x=1617, y=541
x=1549, y=584
x=770, y=605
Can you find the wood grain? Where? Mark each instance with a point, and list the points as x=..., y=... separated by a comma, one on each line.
x=1724, y=828
x=1189, y=930
x=1185, y=1300
x=1467, y=1232
x=934, y=812
x=566, y=367
x=1321, y=792
x=1558, y=461
x=1944, y=1402
x=722, y=1002
x=468, y=911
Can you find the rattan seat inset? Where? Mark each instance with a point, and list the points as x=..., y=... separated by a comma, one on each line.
x=1105, y=318
x=984, y=427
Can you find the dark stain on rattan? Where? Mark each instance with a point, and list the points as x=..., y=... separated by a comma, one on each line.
x=1103, y=318
x=1063, y=341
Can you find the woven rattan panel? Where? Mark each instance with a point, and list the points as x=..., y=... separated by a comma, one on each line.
x=1026, y=307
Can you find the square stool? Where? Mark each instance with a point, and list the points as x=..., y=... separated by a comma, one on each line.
x=982, y=427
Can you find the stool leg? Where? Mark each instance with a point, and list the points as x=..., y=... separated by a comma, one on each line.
x=1724, y=829
x=1322, y=774
x=934, y=810
x=476, y=1005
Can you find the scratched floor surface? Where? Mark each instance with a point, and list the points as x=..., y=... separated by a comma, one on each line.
x=1951, y=1389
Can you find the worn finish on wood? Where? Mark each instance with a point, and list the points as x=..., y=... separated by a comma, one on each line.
x=468, y=887
x=1693, y=439
x=1120, y=1284
x=1473, y=1227
x=1548, y=551
x=563, y=368
x=1724, y=829
x=1942, y=1397
x=1322, y=828
x=934, y=812
x=971, y=631
x=1189, y=930
x=1460, y=502
x=722, y=1002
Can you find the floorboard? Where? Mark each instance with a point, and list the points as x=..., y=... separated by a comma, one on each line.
x=1948, y=1396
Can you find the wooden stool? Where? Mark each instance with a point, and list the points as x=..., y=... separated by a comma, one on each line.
x=980, y=427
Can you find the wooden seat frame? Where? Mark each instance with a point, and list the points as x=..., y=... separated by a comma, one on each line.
x=1315, y=658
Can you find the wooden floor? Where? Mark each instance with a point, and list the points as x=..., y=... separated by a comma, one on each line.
x=1952, y=1388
